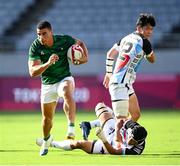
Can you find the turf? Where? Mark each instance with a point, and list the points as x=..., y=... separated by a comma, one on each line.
x=18, y=132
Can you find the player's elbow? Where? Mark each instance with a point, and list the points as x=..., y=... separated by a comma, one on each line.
x=32, y=73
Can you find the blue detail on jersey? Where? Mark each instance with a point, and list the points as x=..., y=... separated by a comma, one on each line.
x=138, y=48
x=137, y=66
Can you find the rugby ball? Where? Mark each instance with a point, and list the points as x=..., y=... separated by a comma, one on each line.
x=74, y=53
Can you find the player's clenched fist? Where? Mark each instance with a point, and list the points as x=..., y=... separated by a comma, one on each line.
x=53, y=58
x=100, y=135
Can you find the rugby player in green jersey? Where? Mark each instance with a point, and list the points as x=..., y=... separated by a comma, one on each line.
x=48, y=59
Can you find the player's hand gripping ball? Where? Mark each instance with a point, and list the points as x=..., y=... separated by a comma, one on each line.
x=74, y=54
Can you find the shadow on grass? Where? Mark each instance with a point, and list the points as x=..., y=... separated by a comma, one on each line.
x=176, y=153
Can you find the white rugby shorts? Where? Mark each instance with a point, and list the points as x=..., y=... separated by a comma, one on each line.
x=120, y=91
x=120, y=97
x=52, y=92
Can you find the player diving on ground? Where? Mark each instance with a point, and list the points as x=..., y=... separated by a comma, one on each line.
x=128, y=140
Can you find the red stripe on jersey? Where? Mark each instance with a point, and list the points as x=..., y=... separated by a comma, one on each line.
x=121, y=62
x=125, y=137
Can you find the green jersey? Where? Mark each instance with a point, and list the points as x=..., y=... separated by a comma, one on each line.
x=60, y=69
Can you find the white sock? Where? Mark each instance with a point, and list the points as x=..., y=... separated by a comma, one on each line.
x=66, y=144
x=95, y=123
x=71, y=129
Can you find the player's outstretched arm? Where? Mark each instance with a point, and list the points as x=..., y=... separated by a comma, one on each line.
x=111, y=54
x=112, y=150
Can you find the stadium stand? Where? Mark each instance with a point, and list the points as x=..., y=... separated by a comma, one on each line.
x=9, y=12
x=99, y=23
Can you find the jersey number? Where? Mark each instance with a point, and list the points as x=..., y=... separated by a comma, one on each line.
x=128, y=46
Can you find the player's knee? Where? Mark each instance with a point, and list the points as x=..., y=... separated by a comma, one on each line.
x=120, y=108
x=100, y=109
x=65, y=91
x=110, y=111
x=67, y=95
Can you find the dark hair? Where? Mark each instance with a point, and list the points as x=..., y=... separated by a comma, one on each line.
x=139, y=133
x=44, y=24
x=145, y=19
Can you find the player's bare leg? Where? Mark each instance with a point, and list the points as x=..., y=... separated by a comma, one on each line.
x=134, y=108
x=69, y=107
x=103, y=113
x=48, y=110
x=87, y=126
x=69, y=144
x=83, y=145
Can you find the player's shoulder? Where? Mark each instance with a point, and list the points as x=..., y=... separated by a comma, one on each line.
x=145, y=41
x=138, y=37
x=133, y=38
x=35, y=44
x=62, y=37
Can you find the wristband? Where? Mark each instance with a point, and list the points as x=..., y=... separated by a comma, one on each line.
x=109, y=65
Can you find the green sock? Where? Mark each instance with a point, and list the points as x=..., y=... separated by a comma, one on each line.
x=71, y=124
x=46, y=138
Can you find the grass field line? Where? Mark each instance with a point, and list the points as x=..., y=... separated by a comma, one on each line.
x=86, y=165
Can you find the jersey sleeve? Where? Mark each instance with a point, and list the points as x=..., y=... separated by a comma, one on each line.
x=147, y=48
x=33, y=54
x=119, y=42
x=116, y=47
x=70, y=40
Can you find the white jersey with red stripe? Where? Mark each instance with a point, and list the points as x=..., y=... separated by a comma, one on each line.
x=132, y=49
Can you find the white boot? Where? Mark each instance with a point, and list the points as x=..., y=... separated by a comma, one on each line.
x=45, y=145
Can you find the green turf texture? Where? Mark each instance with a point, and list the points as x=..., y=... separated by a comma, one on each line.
x=18, y=132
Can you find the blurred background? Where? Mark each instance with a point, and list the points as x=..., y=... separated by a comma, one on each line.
x=99, y=23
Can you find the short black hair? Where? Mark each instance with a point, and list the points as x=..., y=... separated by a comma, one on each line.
x=145, y=19
x=44, y=24
x=139, y=133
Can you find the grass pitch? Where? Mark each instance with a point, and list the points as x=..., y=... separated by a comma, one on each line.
x=18, y=132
